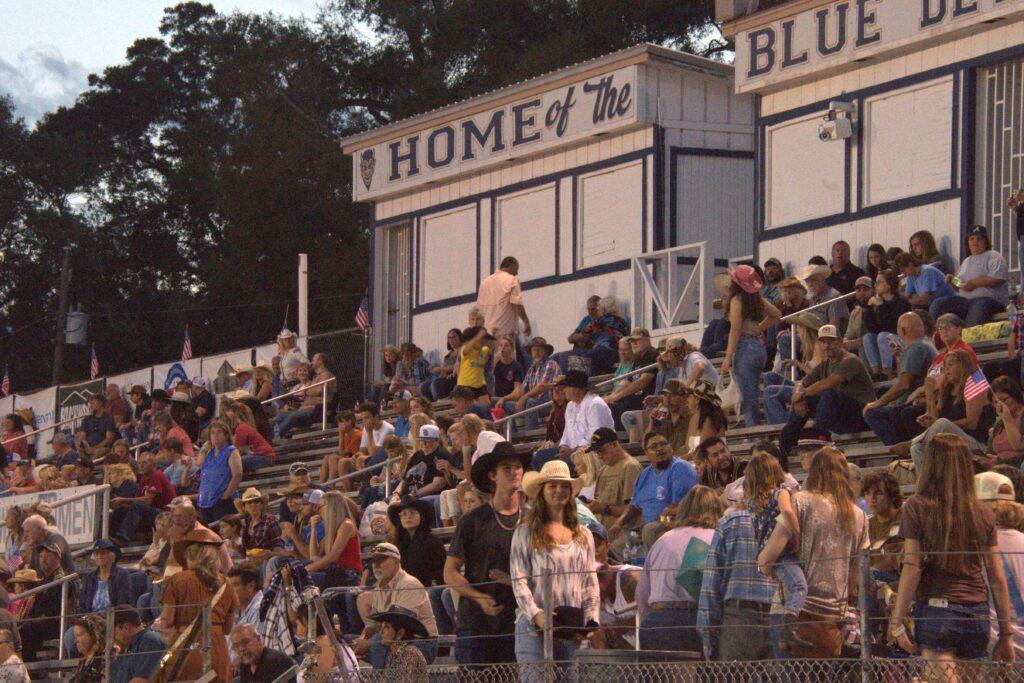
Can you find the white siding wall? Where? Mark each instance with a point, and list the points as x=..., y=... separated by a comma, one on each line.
x=806, y=178
x=526, y=225
x=448, y=246
x=715, y=203
x=610, y=209
x=700, y=110
x=894, y=229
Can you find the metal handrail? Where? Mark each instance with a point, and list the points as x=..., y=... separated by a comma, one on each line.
x=507, y=420
x=40, y=430
x=100, y=490
x=323, y=398
x=79, y=496
x=350, y=475
x=793, y=316
x=39, y=589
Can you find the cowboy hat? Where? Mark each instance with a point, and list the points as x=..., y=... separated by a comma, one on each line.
x=247, y=369
x=811, y=270
x=180, y=396
x=286, y=334
x=792, y=282
x=107, y=545
x=425, y=508
x=403, y=618
x=541, y=342
x=569, y=623
x=704, y=391
x=95, y=625
x=486, y=462
x=24, y=576
x=294, y=489
x=553, y=470
x=746, y=278
x=251, y=493
x=201, y=536
x=576, y=379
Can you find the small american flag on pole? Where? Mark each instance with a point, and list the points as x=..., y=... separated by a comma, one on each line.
x=5, y=384
x=186, y=348
x=976, y=385
x=363, y=314
x=94, y=364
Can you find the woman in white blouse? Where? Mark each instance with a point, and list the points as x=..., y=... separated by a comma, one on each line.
x=551, y=538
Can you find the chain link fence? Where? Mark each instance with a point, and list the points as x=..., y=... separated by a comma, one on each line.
x=345, y=351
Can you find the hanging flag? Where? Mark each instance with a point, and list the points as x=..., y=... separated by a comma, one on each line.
x=186, y=348
x=94, y=364
x=976, y=385
x=363, y=314
x=5, y=384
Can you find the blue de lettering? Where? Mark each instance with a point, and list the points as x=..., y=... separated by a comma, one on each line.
x=558, y=113
x=960, y=8
x=864, y=20
x=788, y=59
x=759, y=49
x=522, y=122
x=624, y=101
x=821, y=18
x=930, y=18
x=609, y=101
x=449, y=147
x=470, y=133
x=409, y=156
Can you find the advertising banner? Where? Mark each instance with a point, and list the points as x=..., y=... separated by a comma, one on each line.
x=168, y=375
x=77, y=521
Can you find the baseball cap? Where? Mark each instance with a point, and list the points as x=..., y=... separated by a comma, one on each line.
x=430, y=432
x=639, y=332
x=674, y=386
x=993, y=486
x=674, y=343
x=313, y=497
x=978, y=230
x=199, y=381
x=864, y=281
x=828, y=332
x=773, y=261
x=61, y=438
x=385, y=550
x=138, y=389
x=601, y=438
x=402, y=395
x=297, y=467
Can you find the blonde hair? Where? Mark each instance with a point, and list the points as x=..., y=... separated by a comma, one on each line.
x=415, y=422
x=115, y=475
x=202, y=558
x=473, y=425
x=829, y=475
x=335, y=512
x=701, y=508
x=49, y=478
x=539, y=516
x=763, y=475
x=587, y=464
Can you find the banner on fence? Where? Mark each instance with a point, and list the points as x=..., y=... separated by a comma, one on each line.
x=41, y=403
x=166, y=376
x=217, y=369
x=72, y=401
x=76, y=520
x=128, y=380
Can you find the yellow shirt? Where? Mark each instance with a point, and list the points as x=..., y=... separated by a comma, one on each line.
x=471, y=367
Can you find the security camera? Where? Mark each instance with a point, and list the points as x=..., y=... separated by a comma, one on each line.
x=836, y=129
x=838, y=109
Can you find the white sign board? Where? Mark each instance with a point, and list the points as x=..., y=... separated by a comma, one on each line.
x=130, y=379
x=168, y=375
x=830, y=37
x=76, y=521
x=553, y=118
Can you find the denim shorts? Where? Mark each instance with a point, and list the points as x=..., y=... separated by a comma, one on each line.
x=959, y=628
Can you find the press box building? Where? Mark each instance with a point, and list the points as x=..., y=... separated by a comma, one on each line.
x=594, y=176
x=925, y=130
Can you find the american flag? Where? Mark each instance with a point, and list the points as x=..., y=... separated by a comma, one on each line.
x=186, y=348
x=363, y=314
x=94, y=365
x=5, y=384
x=976, y=385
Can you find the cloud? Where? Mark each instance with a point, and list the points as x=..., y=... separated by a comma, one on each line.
x=40, y=79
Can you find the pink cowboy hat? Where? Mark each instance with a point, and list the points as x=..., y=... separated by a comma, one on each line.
x=747, y=279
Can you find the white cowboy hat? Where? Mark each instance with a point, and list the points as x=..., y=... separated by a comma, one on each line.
x=554, y=470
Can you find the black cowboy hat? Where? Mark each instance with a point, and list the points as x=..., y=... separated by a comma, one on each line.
x=425, y=508
x=403, y=618
x=487, y=462
x=109, y=546
x=576, y=379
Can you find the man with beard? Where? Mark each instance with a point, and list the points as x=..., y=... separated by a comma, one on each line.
x=657, y=491
x=773, y=276
x=719, y=466
x=256, y=662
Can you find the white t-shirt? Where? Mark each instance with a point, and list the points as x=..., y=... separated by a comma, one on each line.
x=378, y=436
x=1012, y=541
x=690, y=365
x=986, y=264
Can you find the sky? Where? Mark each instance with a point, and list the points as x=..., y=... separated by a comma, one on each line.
x=49, y=47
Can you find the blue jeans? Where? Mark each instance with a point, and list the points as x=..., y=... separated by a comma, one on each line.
x=794, y=583
x=785, y=350
x=530, y=650
x=832, y=412
x=253, y=462
x=445, y=625
x=973, y=311
x=135, y=514
x=895, y=423
x=777, y=395
x=959, y=628
x=672, y=629
x=284, y=423
x=715, y=338
x=379, y=652
x=748, y=364
x=876, y=351
x=149, y=603
x=545, y=455
x=532, y=419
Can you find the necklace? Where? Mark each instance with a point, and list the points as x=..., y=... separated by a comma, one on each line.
x=497, y=518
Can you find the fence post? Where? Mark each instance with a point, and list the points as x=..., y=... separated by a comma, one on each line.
x=792, y=351
x=387, y=481
x=206, y=636
x=324, y=409
x=863, y=583
x=104, y=514
x=63, y=619
x=508, y=428
x=549, y=615
x=108, y=645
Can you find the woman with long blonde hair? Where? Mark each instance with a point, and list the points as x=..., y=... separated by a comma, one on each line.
x=950, y=546
x=337, y=561
x=256, y=451
x=551, y=538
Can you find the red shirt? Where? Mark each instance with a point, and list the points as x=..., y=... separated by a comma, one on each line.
x=246, y=435
x=936, y=368
x=156, y=482
x=350, y=556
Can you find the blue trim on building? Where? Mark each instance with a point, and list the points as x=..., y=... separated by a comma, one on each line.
x=417, y=235
x=478, y=243
x=955, y=145
x=968, y=178
x=558, y=226
x=673, y=192
x=658, y=226
x=575, y=218
x=643, y=206
x=758, y=180
x=494, y=220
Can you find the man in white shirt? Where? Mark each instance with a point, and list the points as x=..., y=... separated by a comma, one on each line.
x=375, y=430
x=245, y=579
x=585, y=414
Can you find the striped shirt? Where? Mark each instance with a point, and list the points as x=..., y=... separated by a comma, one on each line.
x=731, y=574
x=574, y=581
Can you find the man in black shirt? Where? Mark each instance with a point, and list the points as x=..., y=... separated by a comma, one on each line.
x=844, y=273
x=423, y=478
x=631, y=394
x=256, y=662
x=477, y=567
x=203, y=401
x=97, y=432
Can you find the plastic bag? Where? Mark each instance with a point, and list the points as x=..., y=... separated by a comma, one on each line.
x=729, y=393
x=374, y=523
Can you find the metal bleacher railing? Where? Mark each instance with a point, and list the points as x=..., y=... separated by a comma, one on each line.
x=791, y=319
x=302, y=389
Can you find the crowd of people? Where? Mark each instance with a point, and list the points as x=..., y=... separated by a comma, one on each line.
x=712, y=552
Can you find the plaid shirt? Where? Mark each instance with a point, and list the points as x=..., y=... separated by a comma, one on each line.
x=731, y=574
x=415, y=373
x=265, y=534
x=540, y=372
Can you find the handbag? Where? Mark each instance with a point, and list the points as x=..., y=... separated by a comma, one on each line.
x=729, y=393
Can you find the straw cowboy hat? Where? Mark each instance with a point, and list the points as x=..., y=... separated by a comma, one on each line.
x=811, y=270
x=704, y=391
x=286, y=334
x=24, y=576
x=201, y=536
x=251, y=493
x=554, y=470
x=794, y=283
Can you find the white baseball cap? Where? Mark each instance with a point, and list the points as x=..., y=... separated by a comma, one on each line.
x=430, y=432
x=199, y=381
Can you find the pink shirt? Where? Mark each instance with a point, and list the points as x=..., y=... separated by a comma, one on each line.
x=246, y=435
x=186, y=443
x=498, y=293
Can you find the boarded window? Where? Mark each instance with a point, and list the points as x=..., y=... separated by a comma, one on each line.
x=448, y=246
x=526, y=229
x=806, y=177
x=610, y=215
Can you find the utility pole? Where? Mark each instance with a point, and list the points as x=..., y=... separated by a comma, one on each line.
x=62, y=315
x=303, y=330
